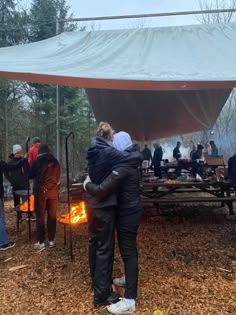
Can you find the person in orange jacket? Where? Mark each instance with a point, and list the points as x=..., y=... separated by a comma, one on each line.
x=33, y=151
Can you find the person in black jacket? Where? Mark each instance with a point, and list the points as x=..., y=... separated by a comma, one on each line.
x=156, y=161
x=176, y=152
x=45, y=171
x=18, y=178
x=102, y=158
x=147, y=154
x=6, y=167
x=125, y=181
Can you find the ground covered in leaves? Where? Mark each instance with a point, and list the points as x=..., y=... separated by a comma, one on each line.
x=187, y=267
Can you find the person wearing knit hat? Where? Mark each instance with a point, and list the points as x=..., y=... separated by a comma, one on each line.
x=33, y=151
x=45, y=171
x=17, y=149
x=36, y=140
x=18, y=178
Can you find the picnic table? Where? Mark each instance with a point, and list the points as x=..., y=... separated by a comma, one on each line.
x=174, y=192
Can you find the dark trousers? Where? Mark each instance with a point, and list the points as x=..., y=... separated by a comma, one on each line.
x=157, y=171
x=17, y=199
x=43, y=204
x=101, y=250
x=127, y=223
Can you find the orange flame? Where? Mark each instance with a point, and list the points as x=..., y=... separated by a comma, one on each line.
x=24, y=205
x=77, y=215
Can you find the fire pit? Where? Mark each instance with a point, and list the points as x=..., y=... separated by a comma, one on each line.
x=77, y=215
x=24, y=207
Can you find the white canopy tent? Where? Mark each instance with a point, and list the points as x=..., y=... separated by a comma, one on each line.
x=152, y=82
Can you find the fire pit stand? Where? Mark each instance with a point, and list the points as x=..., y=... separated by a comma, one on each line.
x=28, y=209
x=68, y=195
x=28, y=190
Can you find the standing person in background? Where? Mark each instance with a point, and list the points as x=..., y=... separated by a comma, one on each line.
x=197, y=168
x=232, y=170
x=46, y=173
x=156, y=161
x=5, y=167
x=18, y=178
x=33, y=151
x=214, y=149
x=176, y=152
x=147, y=155
x=194, y=149
x=207, y=150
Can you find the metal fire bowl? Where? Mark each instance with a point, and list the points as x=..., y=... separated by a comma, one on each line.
x=23, y=192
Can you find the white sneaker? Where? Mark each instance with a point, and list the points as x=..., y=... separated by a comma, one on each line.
x=120, y=282
x=51, y=244
x=39, y=245
x=121, y=308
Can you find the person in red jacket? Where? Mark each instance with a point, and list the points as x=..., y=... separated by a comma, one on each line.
x=33, y=151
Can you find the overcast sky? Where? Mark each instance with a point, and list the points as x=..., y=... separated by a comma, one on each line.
x=91, y=8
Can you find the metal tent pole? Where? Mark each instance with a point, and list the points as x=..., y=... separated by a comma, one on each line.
x=28, y=191
x=57, y=105
x=68, y=192
x=151, y=15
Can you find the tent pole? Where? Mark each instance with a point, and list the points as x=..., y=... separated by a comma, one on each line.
x=151, y=15
x=57, y=105
x=68, y=192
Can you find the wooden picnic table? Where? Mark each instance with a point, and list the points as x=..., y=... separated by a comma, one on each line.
x=171, y=192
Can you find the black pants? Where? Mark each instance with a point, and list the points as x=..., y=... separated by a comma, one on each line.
x=157, y=171
x=43, y=204
x=101, y=250
x=127, y=223
x=17, y=199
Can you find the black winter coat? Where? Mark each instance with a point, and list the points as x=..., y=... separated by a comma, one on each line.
x=124, y=180
x=232, y=169
x=157, y=157
x=102, y=159
x=18, y=178
x=6, y=167
x=45, y=171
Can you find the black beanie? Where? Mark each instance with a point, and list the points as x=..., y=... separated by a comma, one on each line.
x=43, y=148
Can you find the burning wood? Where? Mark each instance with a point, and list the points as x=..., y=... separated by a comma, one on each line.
x=77, y=215
x=24, y=206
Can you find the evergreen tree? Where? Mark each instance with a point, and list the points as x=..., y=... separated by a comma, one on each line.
x=13, y=30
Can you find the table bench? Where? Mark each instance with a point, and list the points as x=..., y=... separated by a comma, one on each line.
x=162, y=193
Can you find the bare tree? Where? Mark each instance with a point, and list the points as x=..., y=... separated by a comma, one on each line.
x=223, y=17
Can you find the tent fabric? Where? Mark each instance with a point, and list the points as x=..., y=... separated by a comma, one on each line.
x=150, y=115
x=166, y=58
x=151, y=82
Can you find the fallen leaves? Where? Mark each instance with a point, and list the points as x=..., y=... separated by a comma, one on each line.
x=17, y=267
x=182, y=269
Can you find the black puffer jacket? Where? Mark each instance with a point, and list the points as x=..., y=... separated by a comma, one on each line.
x=102, y=159
x=18, y=178
x=125, y=180
x=46, y=174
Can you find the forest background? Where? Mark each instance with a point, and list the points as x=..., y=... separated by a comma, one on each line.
x=29, y=109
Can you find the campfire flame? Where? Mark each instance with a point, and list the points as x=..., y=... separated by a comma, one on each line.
x=77, y=215
x=24, y=206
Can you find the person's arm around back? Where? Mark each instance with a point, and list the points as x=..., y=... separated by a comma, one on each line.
x=109, y=184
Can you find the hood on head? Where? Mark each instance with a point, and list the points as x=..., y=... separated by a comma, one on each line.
x=122, y=141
